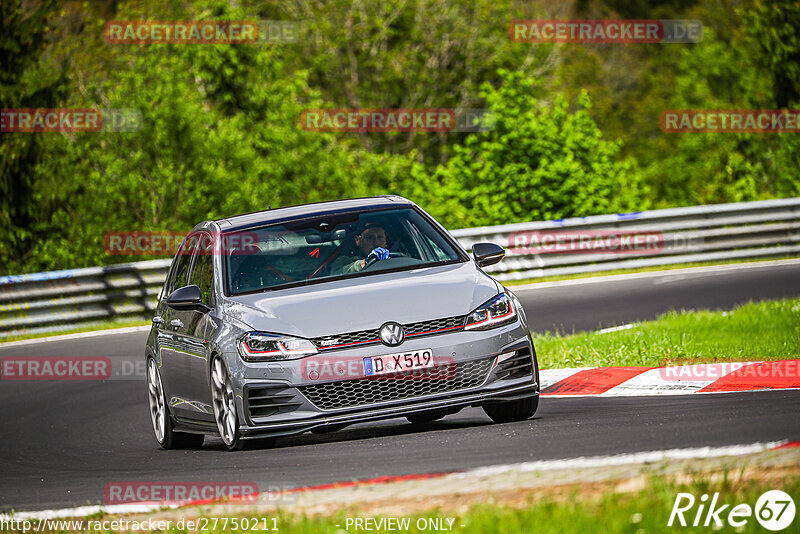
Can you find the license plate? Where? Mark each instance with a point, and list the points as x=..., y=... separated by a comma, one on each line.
x=398, y=363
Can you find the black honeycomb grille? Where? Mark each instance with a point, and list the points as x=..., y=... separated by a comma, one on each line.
x=431, y=327
x=351, y=393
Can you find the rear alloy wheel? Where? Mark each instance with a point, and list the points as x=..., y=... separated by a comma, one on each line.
x=508, y=412
x=159, y=415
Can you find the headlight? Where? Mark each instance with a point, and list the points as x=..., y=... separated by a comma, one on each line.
x=258, y=346
x=496, y=312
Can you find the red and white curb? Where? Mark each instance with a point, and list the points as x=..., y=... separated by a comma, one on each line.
x=675, y=380
x=582, y=462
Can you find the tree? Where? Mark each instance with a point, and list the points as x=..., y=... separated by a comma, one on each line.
x=26, y=81
x=540, y=161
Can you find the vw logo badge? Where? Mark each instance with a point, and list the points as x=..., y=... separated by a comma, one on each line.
x=392, y=334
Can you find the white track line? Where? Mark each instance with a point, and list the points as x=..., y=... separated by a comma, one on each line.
x=620, y=459
x=617, y=328
x=686, y=379
x=83, y=511
x=79, y=335
x=548, y=377
x=543, y=465
x=654, y=274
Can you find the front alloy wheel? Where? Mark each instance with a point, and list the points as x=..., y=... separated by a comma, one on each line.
x=225, y=405
x=159, y=414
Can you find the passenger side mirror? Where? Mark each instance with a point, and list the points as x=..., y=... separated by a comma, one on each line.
x=487, y=253
x=187, y=298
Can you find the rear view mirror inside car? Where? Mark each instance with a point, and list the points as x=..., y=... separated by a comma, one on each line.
x=326, y=237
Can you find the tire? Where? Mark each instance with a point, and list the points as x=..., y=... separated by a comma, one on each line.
x=425, y=417
x=508, y=412
x=163, y=427
x=224, y=400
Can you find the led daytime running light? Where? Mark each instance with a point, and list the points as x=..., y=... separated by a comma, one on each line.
x=491, y=321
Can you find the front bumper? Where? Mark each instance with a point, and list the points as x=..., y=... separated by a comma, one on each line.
x=457, y=400
x=289, y=411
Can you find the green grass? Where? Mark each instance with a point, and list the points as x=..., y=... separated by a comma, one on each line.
x=767, y=330
x=105, y=325
x=571, y=510
x=526, y=281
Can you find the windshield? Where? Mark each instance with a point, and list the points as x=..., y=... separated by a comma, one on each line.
x=333, y=247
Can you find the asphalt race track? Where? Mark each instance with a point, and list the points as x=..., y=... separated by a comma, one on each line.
x=63, y=441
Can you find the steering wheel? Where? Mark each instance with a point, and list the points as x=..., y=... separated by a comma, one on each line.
x=369, y=263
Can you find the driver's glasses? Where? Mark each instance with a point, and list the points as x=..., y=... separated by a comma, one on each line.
x=373, y=238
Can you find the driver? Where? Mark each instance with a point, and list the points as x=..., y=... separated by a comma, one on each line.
x=371, y=243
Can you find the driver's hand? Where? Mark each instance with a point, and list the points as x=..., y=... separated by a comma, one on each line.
x=377, y=254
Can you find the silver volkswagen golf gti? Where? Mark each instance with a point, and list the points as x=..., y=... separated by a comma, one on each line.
x=320, y=316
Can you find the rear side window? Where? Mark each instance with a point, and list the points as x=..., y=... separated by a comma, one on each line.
x=180, y=269
x=203, y=270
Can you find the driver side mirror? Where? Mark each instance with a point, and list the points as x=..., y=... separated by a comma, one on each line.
x=487, y=253
x=187, y=298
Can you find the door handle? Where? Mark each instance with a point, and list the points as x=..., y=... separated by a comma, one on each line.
x=177, y=323
x=158, y=320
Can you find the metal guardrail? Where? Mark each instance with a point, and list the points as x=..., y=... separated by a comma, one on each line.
x=59, y=300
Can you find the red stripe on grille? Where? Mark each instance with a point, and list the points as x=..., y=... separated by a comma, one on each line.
x=434, y=331
x=349, y=344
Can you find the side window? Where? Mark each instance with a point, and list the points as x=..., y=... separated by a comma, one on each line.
x=438, y=252
x=429, y=248
x=180, y=271
x=203, y=269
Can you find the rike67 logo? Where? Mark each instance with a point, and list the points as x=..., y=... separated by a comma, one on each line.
x=774, y=510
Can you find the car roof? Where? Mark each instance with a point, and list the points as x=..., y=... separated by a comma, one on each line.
x=259, y=218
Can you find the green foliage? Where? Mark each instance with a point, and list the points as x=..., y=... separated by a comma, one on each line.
x=221, y=136
x=411, y=54
x=26, y=80
x=577, y=125
x=775, y=25
x=540, y=161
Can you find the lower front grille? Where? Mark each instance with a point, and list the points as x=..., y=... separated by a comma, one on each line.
x=351, y=393
x=517, y=366
x=269, y=400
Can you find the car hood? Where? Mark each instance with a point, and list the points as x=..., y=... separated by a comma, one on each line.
x=363, y=303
